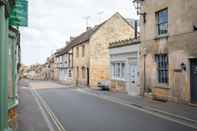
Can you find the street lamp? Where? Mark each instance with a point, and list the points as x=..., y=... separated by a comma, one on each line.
x=138, y=6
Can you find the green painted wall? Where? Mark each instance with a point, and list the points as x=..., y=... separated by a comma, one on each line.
x=9, y=44
x=3, y=70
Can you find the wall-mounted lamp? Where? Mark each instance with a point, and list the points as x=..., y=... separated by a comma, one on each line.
x=138, y=6
x=183, y=66
x=194, y=28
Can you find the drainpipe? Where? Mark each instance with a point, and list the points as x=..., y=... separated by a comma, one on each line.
x=145, y=54
x=136, y=30
x=3, y=70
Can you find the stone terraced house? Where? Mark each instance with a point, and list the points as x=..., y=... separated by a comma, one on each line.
x=169, y=49
x=90, y=53
x=61, y=64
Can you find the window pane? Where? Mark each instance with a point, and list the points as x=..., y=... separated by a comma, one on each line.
x=163, y=28
x=118, y=71
x=115, y=70
x=83, y=50
x=123, y=70
x=77, y=52
x=112, y=70
x=163, y=16
x=70, y=74
x=162, y=65
x=162, y=21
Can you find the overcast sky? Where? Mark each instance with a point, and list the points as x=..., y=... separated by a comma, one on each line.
x=52, y=22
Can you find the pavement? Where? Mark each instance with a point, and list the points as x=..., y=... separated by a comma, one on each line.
x=176, y=109
x=29, y=116
x=82, y=110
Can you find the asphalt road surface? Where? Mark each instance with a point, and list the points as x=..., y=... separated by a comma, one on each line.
x=78, y=111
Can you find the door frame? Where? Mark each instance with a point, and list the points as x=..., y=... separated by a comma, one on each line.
x=129, y=77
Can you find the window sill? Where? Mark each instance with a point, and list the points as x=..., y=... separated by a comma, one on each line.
x=161, y=37
x=119, y=80
x=162, y=86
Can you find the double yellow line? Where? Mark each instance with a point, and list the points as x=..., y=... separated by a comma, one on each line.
x=45, y=106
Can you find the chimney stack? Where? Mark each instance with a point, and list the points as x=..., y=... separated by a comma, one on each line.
x=72, y=38
x=88, y=28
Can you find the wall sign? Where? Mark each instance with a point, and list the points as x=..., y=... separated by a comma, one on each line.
x=19, y=14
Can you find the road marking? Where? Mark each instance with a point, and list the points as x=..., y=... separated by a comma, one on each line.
x=48, y=122
x=57, y=122
x=115, y=100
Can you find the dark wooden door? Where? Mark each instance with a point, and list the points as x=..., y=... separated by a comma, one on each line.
x=88, y=76
x=194, y=81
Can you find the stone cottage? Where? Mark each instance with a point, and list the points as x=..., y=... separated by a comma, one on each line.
x=68, y=64
x=124, y=62
x=90, y=50
x=169, y=49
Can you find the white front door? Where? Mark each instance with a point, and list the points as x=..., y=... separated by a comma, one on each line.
x=133, y=79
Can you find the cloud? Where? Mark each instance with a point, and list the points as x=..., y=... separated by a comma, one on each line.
x=51, y=23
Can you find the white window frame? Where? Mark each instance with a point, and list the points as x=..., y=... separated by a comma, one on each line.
x=117, y=71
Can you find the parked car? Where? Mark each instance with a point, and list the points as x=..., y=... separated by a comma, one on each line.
x=104, y=85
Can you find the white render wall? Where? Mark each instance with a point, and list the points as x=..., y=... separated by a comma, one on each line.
x=128, y=55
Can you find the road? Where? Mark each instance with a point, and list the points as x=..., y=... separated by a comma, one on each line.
x=78, y=111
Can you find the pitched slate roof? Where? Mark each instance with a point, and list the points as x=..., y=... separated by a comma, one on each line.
x=60, y=52
x=85, y=36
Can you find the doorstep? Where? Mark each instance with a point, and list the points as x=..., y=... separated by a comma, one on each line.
x=193, y=104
